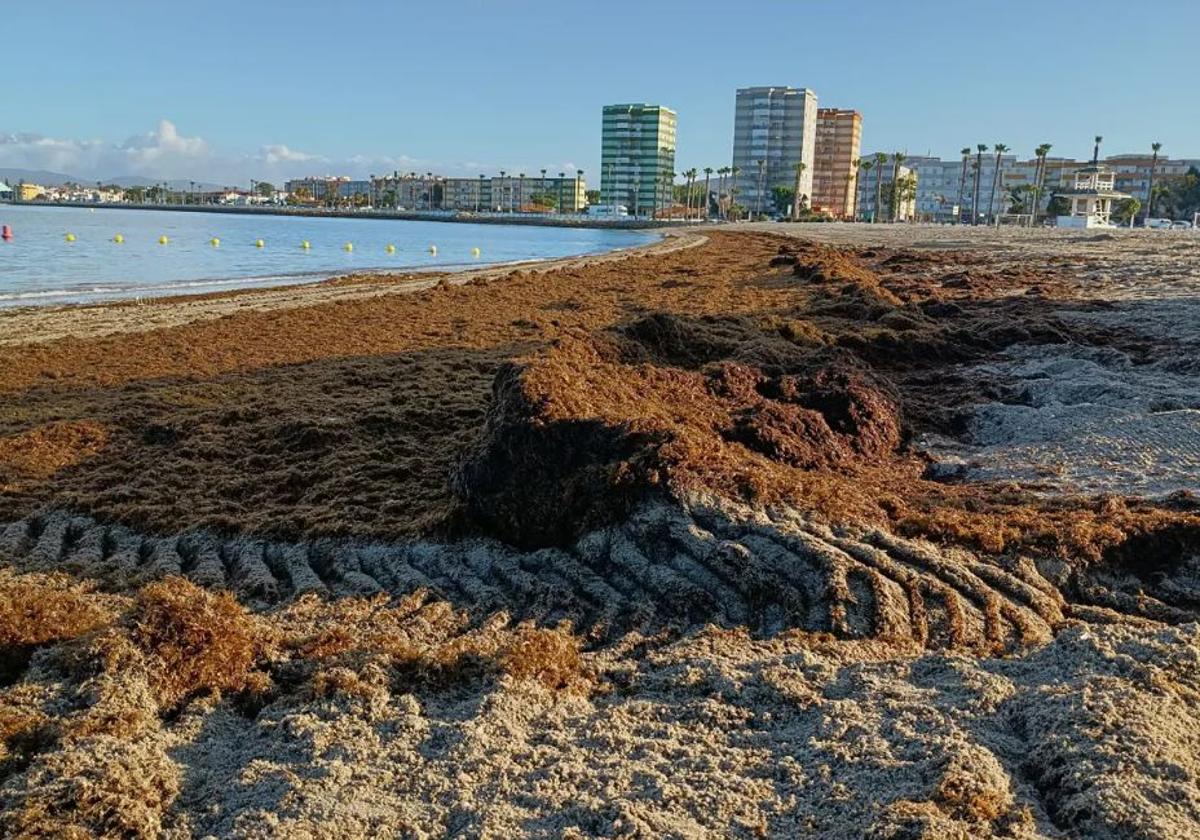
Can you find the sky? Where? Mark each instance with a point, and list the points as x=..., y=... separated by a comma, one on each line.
x=227, y=91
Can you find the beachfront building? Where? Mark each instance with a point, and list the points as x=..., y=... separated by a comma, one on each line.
x=409, y=191
x=6, y=192
x=835, y=162
x=637, y=157
x=1131, y=173
x=508, y=193
x=945, y=195
x=319, y=189
x=467, y=194
x=774, y=129
x=875, y=194
x=29, y=192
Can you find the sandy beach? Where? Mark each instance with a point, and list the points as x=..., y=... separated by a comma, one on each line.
x=760, y=530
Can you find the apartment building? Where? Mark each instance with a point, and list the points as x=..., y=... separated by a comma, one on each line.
x=410, y=191
x=509, y=193
x=776, y=126
x=467, y=194
x=1132, y=172
x=835, y=162
x=637, y=157
x=942, y=186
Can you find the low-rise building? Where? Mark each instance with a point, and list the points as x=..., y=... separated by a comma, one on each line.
x=29, y=192
x=319, y=189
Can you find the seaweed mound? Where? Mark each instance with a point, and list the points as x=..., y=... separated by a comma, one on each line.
x=539, y=479
x=580, y=433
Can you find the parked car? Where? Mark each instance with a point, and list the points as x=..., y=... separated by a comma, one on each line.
x=1158, y=224
x=1181, y=224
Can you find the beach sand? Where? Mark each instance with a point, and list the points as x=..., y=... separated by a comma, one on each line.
x=775, y=530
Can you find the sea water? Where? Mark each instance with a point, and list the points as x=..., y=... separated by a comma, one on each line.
x=39, y=266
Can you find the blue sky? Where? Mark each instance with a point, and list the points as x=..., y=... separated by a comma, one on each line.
x=225, y=90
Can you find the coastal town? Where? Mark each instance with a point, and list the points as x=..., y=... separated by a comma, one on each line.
x=792, y=159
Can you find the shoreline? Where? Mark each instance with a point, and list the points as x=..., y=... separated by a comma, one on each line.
x=454, y=216
x=37, y=324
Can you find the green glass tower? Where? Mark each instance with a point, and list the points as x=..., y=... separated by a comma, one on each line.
x=637, y=157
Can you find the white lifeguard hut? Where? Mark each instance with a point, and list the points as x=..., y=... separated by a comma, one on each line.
x=1092, y=196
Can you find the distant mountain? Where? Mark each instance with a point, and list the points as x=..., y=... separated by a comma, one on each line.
x=176, y=184
x=54, y=179
x=37, y=176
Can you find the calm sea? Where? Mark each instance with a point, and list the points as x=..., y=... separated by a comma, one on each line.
x=39, y=265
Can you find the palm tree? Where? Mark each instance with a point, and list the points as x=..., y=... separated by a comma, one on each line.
x=880, y=160
x=708, y=171
x=561, y=178
x=962, y=182
x=694, y=175
x=733, y=187
x=897, y=159
x=723, y=207
x=800, y=167
x=543, y=185
x=999, y=149
x=521, y=192
x=850, y=198
x=578, y=180
x=1150, y=192
x=1039, y=178
x=866, y=166
x=979, y=149
x=498, y=200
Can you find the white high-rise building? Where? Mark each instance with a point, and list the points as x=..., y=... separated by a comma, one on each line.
x=778, y=126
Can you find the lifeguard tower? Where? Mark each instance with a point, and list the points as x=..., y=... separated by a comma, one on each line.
x=1092, y=196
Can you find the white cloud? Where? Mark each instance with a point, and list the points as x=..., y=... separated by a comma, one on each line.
x=166, y=154
x=283, y=154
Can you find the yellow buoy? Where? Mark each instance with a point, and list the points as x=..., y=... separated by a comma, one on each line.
x=215, y=242
x=258, y=243
x=162, y=240
x=475, y=252
x=349, y=246
x=305, y=245
x=433, y=250
x=70, y=237
x=118, y=239
x=391, y=249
